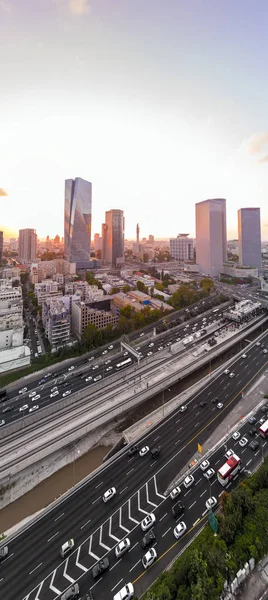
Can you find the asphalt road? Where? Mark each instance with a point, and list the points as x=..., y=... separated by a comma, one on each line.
x=140, y=483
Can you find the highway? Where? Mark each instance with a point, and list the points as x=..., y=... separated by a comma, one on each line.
x=140, y=483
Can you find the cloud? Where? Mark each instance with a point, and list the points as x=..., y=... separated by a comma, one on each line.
x=264, y=159
x=6, y=6
x=79, y=7
x=255, y=143
x=3, y=192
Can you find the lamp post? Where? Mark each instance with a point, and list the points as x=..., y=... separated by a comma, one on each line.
x=163, y=402
x=75, y=449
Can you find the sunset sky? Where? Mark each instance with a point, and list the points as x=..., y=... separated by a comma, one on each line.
x=160, y=104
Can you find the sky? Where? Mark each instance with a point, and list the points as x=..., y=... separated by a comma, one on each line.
x=160, y=104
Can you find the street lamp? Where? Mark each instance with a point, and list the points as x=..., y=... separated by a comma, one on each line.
x=75, y=449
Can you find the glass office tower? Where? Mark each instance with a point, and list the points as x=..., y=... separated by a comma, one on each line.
x=113, y=237
x=77, y=220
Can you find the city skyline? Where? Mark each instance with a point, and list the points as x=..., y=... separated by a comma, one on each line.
x=148, y=102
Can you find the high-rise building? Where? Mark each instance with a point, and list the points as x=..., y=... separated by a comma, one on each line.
x=97, y=242
x=249, y=237
x=182, y=247
x=1, y=244
x=77, y=220
x=211, y=241
x=27, y=244
x=151, y=239
x=137, y=233
x=113, y=237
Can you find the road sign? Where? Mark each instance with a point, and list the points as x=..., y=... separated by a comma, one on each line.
x=199, y=448
x=213, y=521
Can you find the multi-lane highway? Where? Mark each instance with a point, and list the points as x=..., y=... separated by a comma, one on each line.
x=140, y=483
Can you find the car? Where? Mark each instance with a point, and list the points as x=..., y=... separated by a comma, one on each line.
x=252, y=432
x=160, y=348
x=149, y=558
x=56, y=393
x=67, y=548
x=252, y=420
x=149, y=353
x=148, y=539
x=88, y=379
x=229, y=453
x=209, y=474
x=254, y=445
x=155, y=451
x=24, y=407
x=23, y=390
x=110, y=347
x=183, y=408
x=227, y=371
x=54, y=388
x=100, y=567
x=148, y=521
x=95, y=367
x=243, y=442
x=204, y=465
x=126, y=593
x=91, y=358
x=67, y=393
x=71, y=368
x=3, y=552
x=32, y=394
x=107, y=362
x=258, y=343
x=97, y=378
x=144, y=450
x=132, y=450
x=215, y=400
x=177, y=509
x=232, y=375
x=211, y=502
x=105, y=352
x=41, y=381
x=109, y=494
x=203, y=403
x=142, y=334
x=264, y=351
x=262, y=420
x=179, y=530
x=244, y=355
x=33, y=408
x=122, y=547
x=262, y=345
x=175, y=492
x=264, y=408
x=37, y=397
x=236, y=435
x=72, y=593
x=188, y=481
x=220, y=405
x=2, y=422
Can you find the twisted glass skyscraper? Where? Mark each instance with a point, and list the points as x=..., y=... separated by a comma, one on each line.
x=77, y=220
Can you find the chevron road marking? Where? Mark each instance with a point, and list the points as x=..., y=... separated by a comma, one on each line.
x=110, y=534
x=39, y=590
x=101, y=543
x=147, y=497
x=66, y=574
x=156, y=490
x=89, y=550
x=52, y=587
x=131, y=518
x=120, y=524
x=78, y=564
x=139, y=507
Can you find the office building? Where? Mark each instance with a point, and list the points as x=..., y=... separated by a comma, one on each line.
x=113, y=237
x=77, y=220
x=56, y=320
x=13, y=352
x=137, y=233
x=182, y=247
x=249, y=237
x=211, y=241
x=1, y=244
x=27, y=244
x=97, y=243
x=83, y=314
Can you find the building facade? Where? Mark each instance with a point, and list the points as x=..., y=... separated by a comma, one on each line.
x=113, y=237
x=1, y=244
x=77, y=220
x=211, y=240
x=13, y=352
x=182, y=247
x=249, y=237
x=27, y=244
x=56, y=321
x=83, y=314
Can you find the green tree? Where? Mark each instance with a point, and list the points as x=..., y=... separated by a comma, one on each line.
x=126, y=289
x=141, y=287
x=201, y=584
x=207, y=284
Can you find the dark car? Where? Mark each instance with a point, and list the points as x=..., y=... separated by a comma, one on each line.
x=252, y=431
x=66, y=384
x=203, y=403
x=264, y=408
x=72, y=593
x=132, y=450
x=3, y=552
x=214, y=400
x=177, y=509
x=100, y=567
x=155, y=451
x=254, y=445
x=87, y=596
x=148, y=539
x=252, y=420
x=7, y=409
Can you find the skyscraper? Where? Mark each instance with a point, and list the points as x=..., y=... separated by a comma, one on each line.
x=1, y=245
x=113, y=237
x=77, y=220
x=249, y=237
x=182, y=247
x=137, y=233
x=211, y=242
x=27, y=244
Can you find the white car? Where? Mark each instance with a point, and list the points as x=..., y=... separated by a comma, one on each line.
x=105, y=352
x=66, y=548
x=67, y=393
x=95, y=367
x=220, y=405
x=142, y=334
x=175, y=492
x=54, y=388
x=97, y=378
x=32, y=394
x=107, y=362
x=188, y=481
x=180, y=529
x=211, y=502
x=33, y=408
x=109, y=369
x=148, y=558
x=125, y=353
x=71, y=368
x=126, y=593
x=183, y=408
x=209, y=474
x=110, y=347
x=109, y=494
x=144, y=450
x=258, y=344
x=204, y=465
x=160, y=348
x=2, y=422
x=148, y=521
x=149, y=353
x=88, y=379
x=37, y=397
x=236, y=435
x=232, y=375
x=227, y=371
x=264, y=351
x=243, y=442
x=151, y=345
x=24, y=407
x=244, y=355
x=91, y=358
x=56, y=393
x=229, y=453
x=23, y=390
x=122, y=547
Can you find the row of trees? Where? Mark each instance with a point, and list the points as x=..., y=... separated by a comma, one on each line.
x=200, y=573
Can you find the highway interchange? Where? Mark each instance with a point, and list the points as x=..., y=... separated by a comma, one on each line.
x=140, y=483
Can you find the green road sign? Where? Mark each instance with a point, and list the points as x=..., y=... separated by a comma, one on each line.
x=213, y=521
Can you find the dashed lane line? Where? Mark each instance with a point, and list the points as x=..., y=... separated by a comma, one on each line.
x=116, y=585
x=35, y=568
x=51, y=538
x=59, y=517
x=86, y=523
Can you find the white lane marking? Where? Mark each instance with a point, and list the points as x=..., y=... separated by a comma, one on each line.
x=35, y=568
x=217, y=462
x=192, y=504
x=78, y=564
x=89, y=550
x=147, y=496
x=87, y=522
x=96, y=500
x=196, y=414
x=156, y=491
x=66, y=574
x=177, y=442
x=128, y=473
x=123, y=490
x=139, y=505
x=199, y=480
x=137, y=563
x=9, y=556
x=157, y=438
x=166, y=532
x=202, y=493
x=101, y=543
x=51, y=586
x=115, y=565
x=188, y=491
x=196, y=424
x=178, y=420
x=99, y=484
x=97, y=583
x=179, y=429
x=129, y=516
x=116, y=585
x=195, y=523
x=133, y=546
x=51, y=538
x=120, y=524
x=59, y=516
x=203, y=513
x=249, y=461
x=165, y=515
x=110, y=534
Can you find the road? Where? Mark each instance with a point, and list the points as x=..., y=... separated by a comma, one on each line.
x=140, y=484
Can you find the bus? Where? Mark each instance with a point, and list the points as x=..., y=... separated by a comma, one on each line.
x=123, y=364
x=229, y=469
x=263, y=430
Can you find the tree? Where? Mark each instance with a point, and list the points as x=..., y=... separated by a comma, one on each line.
x=201, y=583
x=115, y=290
x=207, y=284
x=90, y=335
x=141, y=287
x=126, y=289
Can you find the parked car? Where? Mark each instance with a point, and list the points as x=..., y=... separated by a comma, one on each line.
x=100, y=567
